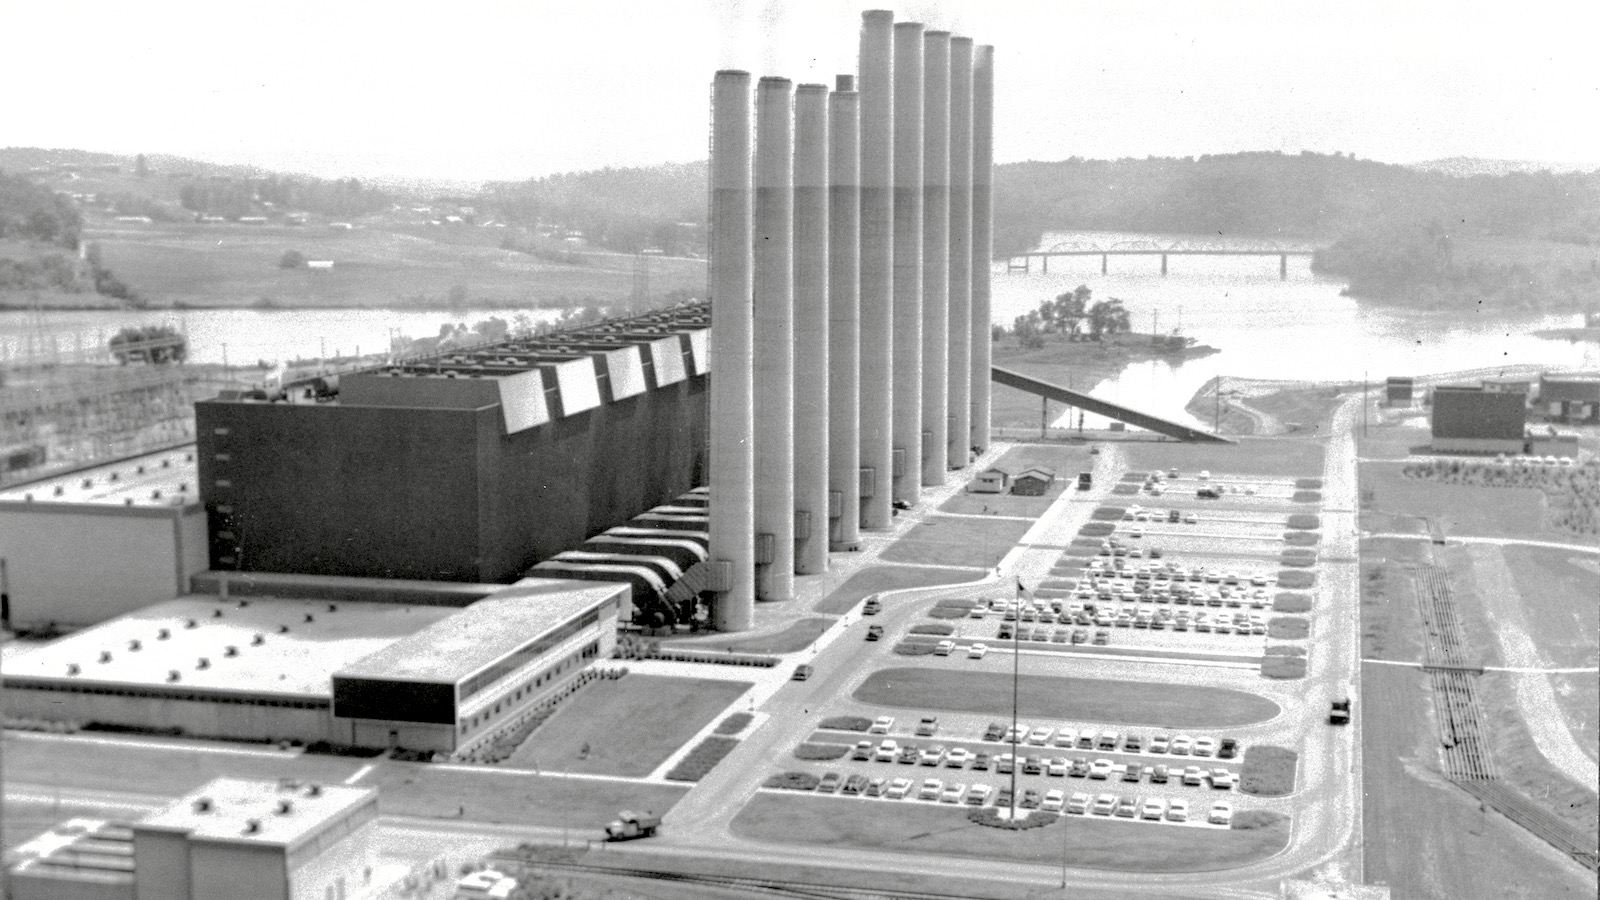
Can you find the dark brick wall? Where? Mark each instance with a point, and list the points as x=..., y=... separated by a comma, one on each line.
x=1490, y=415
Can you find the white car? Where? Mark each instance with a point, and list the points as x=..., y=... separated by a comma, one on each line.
x=1190, y=518
x=886, y=751
x=944, y=648
x=1223, y=779
x=1058, y=766
x=1221, y=813
x=1101, y=769
x=979, y=795
x=931, y=789
x=1178, y=811
x=958, y=757
x=881, y=725
x=952, y=793
x=1040, y=736
x=1054, y=800
x=1182, y=744
x=898, y=788
x=977, y=651
x=1078, y=804
x=1205, y=746
x=1066, y=737
x=1194, y=776
x=1015, y=734
x=1105, y=804
x=1154, y=808
x=1205, y=474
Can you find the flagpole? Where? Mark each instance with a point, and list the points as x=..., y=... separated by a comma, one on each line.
x=1016, y=657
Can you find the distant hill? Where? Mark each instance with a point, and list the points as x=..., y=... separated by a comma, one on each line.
x=628, y=209
x=1466, y=166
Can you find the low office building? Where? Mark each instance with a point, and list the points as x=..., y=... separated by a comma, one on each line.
x=1033, y=482
x=1469, y=419
x=90, y=545
x=456, y=685
x=990, y=481
x=1398, y=390
x=1571, y=398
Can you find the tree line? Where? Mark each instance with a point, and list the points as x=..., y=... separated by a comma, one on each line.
x=1075, y=315
x=31, y=212
x=232, y=198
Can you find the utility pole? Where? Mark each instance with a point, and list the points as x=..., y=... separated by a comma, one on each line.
x=1216, y=408
x=1363, y=402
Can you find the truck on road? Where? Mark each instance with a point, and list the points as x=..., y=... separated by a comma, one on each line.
x=629, y=825
x=1085, y=480
x=1339, y=713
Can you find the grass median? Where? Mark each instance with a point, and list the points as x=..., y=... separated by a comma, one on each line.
x=1063, y=698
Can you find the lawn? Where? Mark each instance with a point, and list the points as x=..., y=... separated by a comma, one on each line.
x=1055, y=697
x=512, y=798
x=1559, y=590
x=888, y=578
x=797, y=636
x=1268, y=771
x=629, y=725
x=944, y=830
x=946, y=540
x=1251, y=456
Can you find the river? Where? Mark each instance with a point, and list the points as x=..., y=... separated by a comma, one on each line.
x=1298, y=328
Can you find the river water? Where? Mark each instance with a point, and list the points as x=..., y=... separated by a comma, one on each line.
x=1299, y=328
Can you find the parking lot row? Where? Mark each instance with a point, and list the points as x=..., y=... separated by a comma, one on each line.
x=1025, y=736
x=1174, y=810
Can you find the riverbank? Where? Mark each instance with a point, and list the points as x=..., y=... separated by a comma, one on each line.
x=1264, y=407
x=1076, y=365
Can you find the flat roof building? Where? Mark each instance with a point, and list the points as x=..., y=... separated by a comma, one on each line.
x=89, y=545
x=1467, y=418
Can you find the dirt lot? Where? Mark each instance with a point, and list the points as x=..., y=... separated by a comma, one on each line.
x=625, y=727
x=889, y=578
x=923, y=828
x=1067, y=699
x=948, y=540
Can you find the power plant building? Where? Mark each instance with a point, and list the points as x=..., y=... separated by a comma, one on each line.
x=1467, y=418
x=469, y=466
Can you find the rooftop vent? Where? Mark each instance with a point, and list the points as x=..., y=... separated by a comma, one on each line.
x=163, y=633
x=140, y=470
x=190, y=623
x=313, y=790
x=113, y=476
x=27, y=498
x=285, y=807
x=60, y=490
x=333, y=607
x=216, y=614
x=183, y=487
x=203, y=663
x=257, y=639
x=188, y=457
x=166, y=464
x=243, y=603
x=202, y=804
x=127, y=501
x=252, y=826
x=230, y=650
x=105, y=656
x=310, y=617
x=155, y=495
x=73, y=668
x=88, y=482
x=283, y=629
x=135, y=644
x=173, y=675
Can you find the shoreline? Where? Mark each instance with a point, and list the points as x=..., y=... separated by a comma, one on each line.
x=1076, y=365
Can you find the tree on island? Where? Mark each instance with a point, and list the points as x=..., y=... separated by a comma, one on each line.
x=1108, y=317
x=158, y=344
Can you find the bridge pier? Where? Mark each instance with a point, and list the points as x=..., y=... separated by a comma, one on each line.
x=1283, y=267
x=1044, y=264
x=1103, y=258
x=1163, y=265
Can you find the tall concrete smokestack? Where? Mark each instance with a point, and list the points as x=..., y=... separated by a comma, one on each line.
x=732, y=473
x=877, y=266
x=908, y=187
x=844, y=313
x=811, y=329
x=774, y=339
x=961, y=330
x=982, y=236
x=935, y=253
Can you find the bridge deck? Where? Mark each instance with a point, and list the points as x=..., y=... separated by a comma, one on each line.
x=1113, y=411
x=1152, y=252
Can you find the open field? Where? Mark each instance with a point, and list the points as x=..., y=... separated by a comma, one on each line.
x=946, y=540
x=1559, y=594
x=1461, y=510
x=922, y=828
x=1272, y=457
x=626, y=727
x=889, y=578
x=1063, y=698
x=237, y=265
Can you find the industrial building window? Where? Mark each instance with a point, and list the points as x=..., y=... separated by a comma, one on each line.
x=223, y=483
x=222, y=457
x=220, y=432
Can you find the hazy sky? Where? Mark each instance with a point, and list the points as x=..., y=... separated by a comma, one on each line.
x=477, y=90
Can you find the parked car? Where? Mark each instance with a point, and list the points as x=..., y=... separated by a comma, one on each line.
x=886, y=751
x=1100, y=769
x=1221, y=813
x=1030, y=799
x=1065, y=737
x=1223, y=779
x=994, y=731
x=872, y=608
x=1079, y=768
x=874, y=632
x=802, y=672
x=1158, y=775
x=927, y=726
x=1105, y=804
x=1182, y=744
x=1132, y=772
x=1040, y=735
x=952, y=793
x=1178, y=811
x=979, y=795
x=931, y=789
x=1228, y=749
x=863, y=751
x=1194, y=776
x=908, y=756
x=829, y=783
x=876, y=786
x=1078, y=803
x=1054, y=800
x=855, y=784
x=898, y=788
x=881, y=725
x=1128, y=807
x=958, y=758
x=980, y=762
x=1058, y=767
x=1154, y=808
x=931, y=756
x=977, y=651
x=1205, y=746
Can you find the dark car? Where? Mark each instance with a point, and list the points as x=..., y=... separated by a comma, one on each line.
x=981, y=762
x=802, y=672
x=872, y=608
x=1079, y=768
x=1228, y=749
x=908, y=756
x=875, y=632
x=855, y=784
x=994, y=732
x=1003, y=796
x=829, y=783
x=1033, y=765
x=1030, y=799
